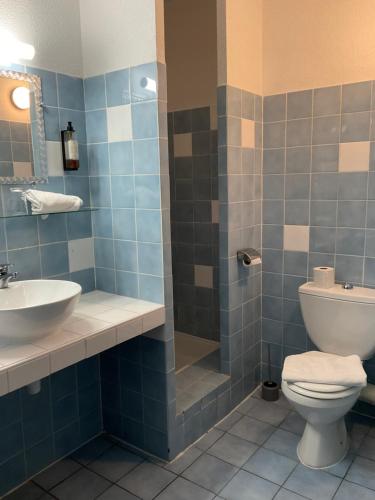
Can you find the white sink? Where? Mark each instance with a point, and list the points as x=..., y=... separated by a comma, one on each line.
x=35, y=308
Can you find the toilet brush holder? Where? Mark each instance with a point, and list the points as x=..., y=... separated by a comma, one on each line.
x=270, y=389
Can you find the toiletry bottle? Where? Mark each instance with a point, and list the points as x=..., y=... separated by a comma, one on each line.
x=70, y=148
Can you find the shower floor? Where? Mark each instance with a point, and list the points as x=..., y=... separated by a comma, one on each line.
x=197, y=369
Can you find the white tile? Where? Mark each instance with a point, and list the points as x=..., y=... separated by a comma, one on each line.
x=100, y=342
x=54, y=158
x=67, y=356
x=182, y=144
x=56, y=340
x=153, y=319
x=129, y=330
x=13, y=354
x=354, y=156
x=90, y=308
x=296, y=238
x=3, y=383
x=22, y=169
x=88, y=326
x=97, y=296
x=81, y=254
x=28, y=372
x=247, y=133
x=116, y=316
x=203, y=276
x=119, y=123
x=141, y=306
x=215, y=212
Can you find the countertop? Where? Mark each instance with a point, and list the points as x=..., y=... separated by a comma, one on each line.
x=100, y=321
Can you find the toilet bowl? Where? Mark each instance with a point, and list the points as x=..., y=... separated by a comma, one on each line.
x=331, y=317
x=324, y=441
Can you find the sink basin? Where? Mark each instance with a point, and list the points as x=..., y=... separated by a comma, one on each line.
x=33, y=309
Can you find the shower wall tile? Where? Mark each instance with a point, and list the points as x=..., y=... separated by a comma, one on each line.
x=317, y=186
x=193, y=169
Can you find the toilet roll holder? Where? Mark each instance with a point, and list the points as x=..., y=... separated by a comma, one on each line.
x=249, y=256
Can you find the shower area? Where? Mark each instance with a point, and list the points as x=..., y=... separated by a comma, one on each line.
x=190, y=29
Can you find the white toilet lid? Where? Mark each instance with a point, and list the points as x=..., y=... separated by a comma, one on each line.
x=310, y=386
x=322, y=391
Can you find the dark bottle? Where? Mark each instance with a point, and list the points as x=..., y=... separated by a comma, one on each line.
x=70, y=148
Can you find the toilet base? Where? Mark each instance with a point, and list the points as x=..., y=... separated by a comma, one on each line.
x=323, y=445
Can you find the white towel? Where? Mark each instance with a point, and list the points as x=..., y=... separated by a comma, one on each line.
x=323, y=368
x=43, y=202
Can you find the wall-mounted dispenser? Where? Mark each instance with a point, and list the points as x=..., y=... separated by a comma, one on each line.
x=70, y=148
x=249, y=257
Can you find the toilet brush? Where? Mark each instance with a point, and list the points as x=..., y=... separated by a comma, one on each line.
x=270, y=389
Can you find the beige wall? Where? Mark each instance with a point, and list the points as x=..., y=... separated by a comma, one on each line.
x=191, y=53
x=316, y=43
x=243, y=44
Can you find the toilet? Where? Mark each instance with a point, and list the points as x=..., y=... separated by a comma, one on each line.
x=339, y=321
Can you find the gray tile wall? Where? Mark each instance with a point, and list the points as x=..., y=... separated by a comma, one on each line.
x=318, y=176
x=240, y=157
x=194, y=222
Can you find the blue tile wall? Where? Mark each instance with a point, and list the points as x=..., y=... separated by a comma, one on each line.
x=302, y=185
x=133, y=257
x=39, y=248
x=125, y=181
x=240, y=227
x=36, y=430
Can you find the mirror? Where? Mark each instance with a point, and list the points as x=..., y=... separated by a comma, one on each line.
x=22, y=139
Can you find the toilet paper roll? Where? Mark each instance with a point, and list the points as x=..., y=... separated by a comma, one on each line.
x=324, y=277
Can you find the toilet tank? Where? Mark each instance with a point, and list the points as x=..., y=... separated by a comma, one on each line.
x=340, y=321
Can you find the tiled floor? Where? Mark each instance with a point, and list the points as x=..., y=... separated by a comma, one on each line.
x=251, y=455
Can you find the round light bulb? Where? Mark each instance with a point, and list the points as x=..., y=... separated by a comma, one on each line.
x=21, y=97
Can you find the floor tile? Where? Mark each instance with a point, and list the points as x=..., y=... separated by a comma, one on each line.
x=284, y=494
x=233, y=449
x=283, y=442
x=147, y=480
x=253, y=430
x=28, y=491
x=181, y=489
x=314, y=484
x=246, y=486
x=342, y=467
x=367, y=448
x=362, y=471
x=56, y=473
x=210, y=472
x=268, y=412
x=84, y=485
x=246, y=405
x=182, y=462
x=229, y=421
x=209, y=439
x=270, y=465
x=92, y=450
x=116, y=493
x=294, y=423
x=115, y=463
x=348, y=491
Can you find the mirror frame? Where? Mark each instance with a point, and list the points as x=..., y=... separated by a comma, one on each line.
x=35, y=82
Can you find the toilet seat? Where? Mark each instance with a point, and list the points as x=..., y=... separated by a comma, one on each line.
x=322, y=391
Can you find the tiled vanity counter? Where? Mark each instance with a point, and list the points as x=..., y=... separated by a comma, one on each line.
x=100, y=321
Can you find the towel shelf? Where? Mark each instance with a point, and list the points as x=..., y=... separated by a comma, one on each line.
x=44, y=216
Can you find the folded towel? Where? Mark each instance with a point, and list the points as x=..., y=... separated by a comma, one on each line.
x=323, y=368
x=43, y=202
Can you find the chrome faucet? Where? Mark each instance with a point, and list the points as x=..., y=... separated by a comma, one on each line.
x=6, y=276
